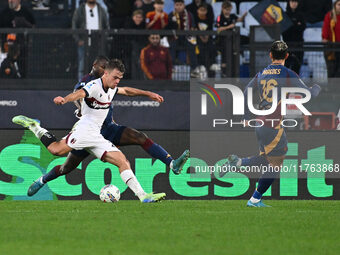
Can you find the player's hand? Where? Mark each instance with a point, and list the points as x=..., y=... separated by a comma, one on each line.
x=156, y=97
x=59, y=100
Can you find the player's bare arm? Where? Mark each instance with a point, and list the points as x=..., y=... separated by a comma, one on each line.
x=70, y=97
x=128, y=91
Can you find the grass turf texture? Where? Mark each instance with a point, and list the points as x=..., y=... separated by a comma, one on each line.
x=169, y=227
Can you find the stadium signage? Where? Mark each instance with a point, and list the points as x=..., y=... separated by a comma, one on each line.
x=20, y=163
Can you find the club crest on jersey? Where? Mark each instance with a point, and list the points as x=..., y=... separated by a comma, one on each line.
x=73, y=140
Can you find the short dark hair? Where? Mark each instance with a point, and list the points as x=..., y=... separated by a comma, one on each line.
x=179, y=1
x=226, y=5
x=159, y=2
x=279, y=50
x=102, y=60
x=115, y=64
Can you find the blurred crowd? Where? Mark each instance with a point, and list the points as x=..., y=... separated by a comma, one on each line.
x=154, y=57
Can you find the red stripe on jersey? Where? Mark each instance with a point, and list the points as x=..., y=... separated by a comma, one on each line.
x=67, y=137
x=92, y=99
x=103, y=156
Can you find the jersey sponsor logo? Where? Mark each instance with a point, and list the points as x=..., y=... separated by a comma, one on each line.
x=95, y=104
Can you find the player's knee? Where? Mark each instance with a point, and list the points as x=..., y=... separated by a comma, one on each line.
x=141, y=138
x=124, y=163
x=53, y=150
x=64, y=169
x=56, y=151
x=128, y=163
x=276, y=161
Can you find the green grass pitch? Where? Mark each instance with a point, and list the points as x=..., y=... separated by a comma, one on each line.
x=169, y=227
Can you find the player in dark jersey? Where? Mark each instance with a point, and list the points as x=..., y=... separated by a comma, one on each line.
x=117, y=134
x=269, y=131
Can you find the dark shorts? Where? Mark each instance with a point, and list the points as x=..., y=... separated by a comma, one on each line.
x=272, y=142
x=111, y=131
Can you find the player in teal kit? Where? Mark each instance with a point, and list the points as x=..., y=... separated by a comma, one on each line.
x=271, y=135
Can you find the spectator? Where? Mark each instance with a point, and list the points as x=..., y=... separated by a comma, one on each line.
x=314, y=11
x=119, y=11
x=294, y=35
x=155, y=60
x=16, y=16
x=136, y=21
x=135, y=45
x=181, y=19
x=144, y=5
x=192, y=8
x=157, y=19
x=205, y=46
x=90, y=16
x=226, y=20
x=9, y=67
x=331, y=33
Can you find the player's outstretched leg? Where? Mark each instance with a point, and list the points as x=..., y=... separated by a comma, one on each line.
x=264, y=183
x=272, y=172
x=71, y=163
x=130, y=179
x=35, y=187
x=25, y=121
x=232, y=161
x=34, y=125
x=153, y=197
x=118, y=159
x=177, y=164
x=55, y=147
x=131, y=136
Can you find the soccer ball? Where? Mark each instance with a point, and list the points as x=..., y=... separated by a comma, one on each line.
x=109, y=194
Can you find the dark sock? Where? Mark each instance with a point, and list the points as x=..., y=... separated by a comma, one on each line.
x=264, y=183
x=51, y=175
x=157, y=151
x=254, y=161
x=47, y=139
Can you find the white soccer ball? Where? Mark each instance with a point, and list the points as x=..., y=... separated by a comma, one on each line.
x=109, y=194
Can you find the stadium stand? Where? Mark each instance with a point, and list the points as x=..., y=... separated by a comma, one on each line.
x=315, y=59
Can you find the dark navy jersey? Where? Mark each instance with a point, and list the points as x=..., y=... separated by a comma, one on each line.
x=274, y=76
x=86, y=78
